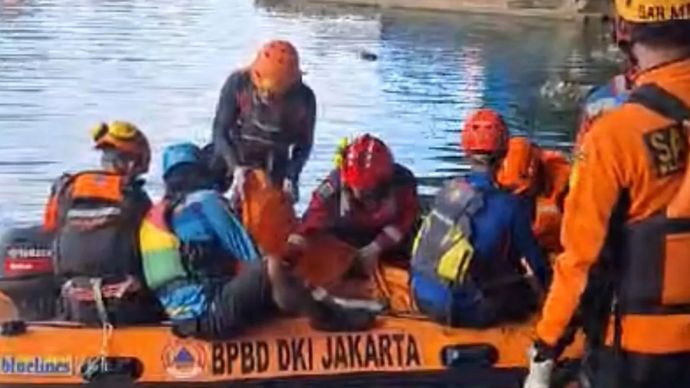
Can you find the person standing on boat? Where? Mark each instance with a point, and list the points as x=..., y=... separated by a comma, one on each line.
x=627, y=216
x=466, y=261
x=540, y=177
x=369, y=202
x=203, y=265
x=95, y=216
x=265, y=119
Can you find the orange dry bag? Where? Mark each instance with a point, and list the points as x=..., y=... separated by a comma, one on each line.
x=267, y=213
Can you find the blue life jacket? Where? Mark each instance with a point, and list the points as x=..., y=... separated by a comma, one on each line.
x=202, y=220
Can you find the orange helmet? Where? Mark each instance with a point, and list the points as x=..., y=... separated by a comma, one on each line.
x=518, y=172
x=126, y=138
x=276, y=68
x=485, y=132
x=367, y=163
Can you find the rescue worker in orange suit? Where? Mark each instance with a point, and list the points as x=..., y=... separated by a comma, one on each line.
x=95, y=216
x=541, y=177
x=370, y=202
x=265, y=119
x=627, y=211
x=466, y=260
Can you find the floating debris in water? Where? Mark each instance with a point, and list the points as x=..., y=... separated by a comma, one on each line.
x=563, y=92
x=368, y=56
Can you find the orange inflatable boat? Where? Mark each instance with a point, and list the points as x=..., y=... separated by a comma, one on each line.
x=403, y=349
x=400, y=351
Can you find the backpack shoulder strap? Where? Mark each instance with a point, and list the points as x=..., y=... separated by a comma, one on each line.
x=658, y=100
x=457, y=202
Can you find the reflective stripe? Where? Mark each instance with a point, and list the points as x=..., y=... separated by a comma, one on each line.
x=297, y=239
x=446, y=220
x=548, y=209
x=393, y=232
x=371, y=250
x=94, y=213
x=259, y=139
x=344, y=203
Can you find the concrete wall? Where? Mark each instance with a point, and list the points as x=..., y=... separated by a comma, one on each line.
x=561, y=9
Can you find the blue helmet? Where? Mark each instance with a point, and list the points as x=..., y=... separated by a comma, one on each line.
x=178, y=154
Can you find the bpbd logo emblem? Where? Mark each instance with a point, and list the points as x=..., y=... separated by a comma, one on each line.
x=36, y=365
x=184, y=359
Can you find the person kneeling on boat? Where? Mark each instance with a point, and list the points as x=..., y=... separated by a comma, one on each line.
x=369, y=202
x=95, y=216
x=540, y=177
x=202, y=264
x=466, y=261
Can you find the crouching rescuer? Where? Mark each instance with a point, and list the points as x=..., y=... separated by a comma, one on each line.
x=369, y=201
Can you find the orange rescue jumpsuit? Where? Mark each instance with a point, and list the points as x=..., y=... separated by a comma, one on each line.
x=542, y=176
x=549, y=203
x=635, y=153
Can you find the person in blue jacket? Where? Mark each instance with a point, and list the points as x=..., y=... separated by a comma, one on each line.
x=198, y=258
x=467, y=262
x=601, y=99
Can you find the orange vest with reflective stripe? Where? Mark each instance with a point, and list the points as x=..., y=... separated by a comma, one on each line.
x=96, y=226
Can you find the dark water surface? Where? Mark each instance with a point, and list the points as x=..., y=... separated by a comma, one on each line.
x=67, y=64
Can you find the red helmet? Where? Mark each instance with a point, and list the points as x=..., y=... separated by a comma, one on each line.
x=485, y=132
x=367, y=164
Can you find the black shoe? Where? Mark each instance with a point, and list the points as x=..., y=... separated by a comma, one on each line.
x=186, y=328
x=336, y=315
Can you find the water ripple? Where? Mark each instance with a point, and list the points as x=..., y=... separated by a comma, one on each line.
x=67, y=64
